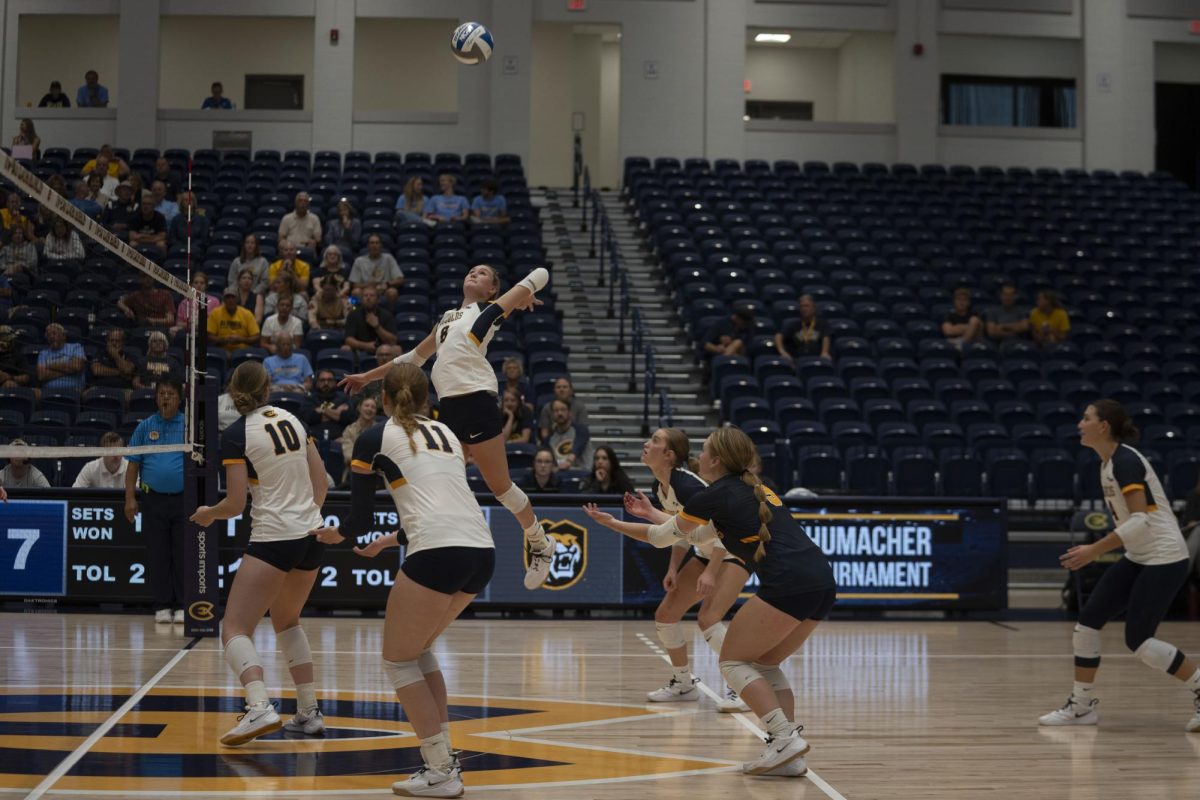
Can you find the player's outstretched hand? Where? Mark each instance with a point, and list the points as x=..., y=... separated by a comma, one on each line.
x=603, y=517
x=638, y=505
x=353, y=383
x=203, y=517
x=1077, y=557
x=327, y=535
x=377, y=546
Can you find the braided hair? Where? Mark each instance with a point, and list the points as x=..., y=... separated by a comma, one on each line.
x=407, y=388
x=737, y=453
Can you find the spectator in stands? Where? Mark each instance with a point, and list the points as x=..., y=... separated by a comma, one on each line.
x=514, y=378
x=92, y=94
x=20, y=474
x=59, y=184
x=284, y=285
x=345, y=229
x=568, y=439
x=170, y=177
x=101, y=190
x=231, y=326
x=1048, y=321
x=247, y=298
x=378, y=269
x=333, y=266
x=148, y=228
x=805, y=335
x=962, y=324
x=122, y=209
x=114, y=366
x=728, y=336
x=19, y=256
x=563, y=390
x=288, y=261
x=227, y=412
x=518, y=422
x=328, y=309
x=289, y=370
x=489, y=208
x=368, y=325
x=106, y=472
x=447, y=206
x=607, y=476
x=183, y=312
x=300, y=227
x=139, y=186
x=1007, y=322
x=62, y=244
x=108, y=162
x=217, y=100
x=368, y=407
x=82, y=199
x=162, y=204
x=410, y=205
x=14, y=367
x=61, y=365
x=27, y=136
x=177, y=229
x=6, y=293
x=11, y=216
x=149, y=305
x=384, y=355
x=543, y=478
x=250, y=258
x=157, y=364
x=282, y=321
x=55, y=98
x=327, y=405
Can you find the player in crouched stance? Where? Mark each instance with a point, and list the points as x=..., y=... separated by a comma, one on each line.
x=269, y=449
x=449, y=560
x=1143, y=583
x=796, y=592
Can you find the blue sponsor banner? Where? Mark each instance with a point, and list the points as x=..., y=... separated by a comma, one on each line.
x=33, y=547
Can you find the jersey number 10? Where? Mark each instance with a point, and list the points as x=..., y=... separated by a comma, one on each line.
x=289, y=441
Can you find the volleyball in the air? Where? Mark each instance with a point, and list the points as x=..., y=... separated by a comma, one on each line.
x=471, y=43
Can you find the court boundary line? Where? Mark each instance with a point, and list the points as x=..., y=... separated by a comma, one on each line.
x=744, y=721
x=79, y=752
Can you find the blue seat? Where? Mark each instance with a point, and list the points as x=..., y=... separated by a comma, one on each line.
x=1007, y=473
x=94, y=419
x=779, y=387
x=1183, y=472
x=819, y=468
x=867, y=469
x=961, y=472
x=848, y=433
x=794, y=409
x=762, y=431
x=742, y=410
x=914, y=471
x=896, y=434
x=943, y=434
x=723, y=366
x=335, y=359
x=520, y=455
x=880, y=410
x=1053, y=474
x=734, y=386
x=921, y=412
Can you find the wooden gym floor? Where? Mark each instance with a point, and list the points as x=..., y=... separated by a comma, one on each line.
x=112, y=706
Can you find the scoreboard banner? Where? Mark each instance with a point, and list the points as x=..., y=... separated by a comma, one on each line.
x=885, y=552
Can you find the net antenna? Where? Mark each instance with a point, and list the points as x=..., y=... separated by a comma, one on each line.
x=34, y=187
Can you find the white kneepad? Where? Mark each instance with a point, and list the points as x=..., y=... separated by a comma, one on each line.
x=1157, y=654
x=739, y=674
x=774, y=676
x=1085, y=642
x=514, y=499
x=403, y=673
x=428, y=662
x=241, y=655
x=293, y=643
x=670, y=635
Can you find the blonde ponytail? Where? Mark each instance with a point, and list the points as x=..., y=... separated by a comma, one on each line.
x=249, y=386
x=406, y=386
x=764, y=514
x=736, y=452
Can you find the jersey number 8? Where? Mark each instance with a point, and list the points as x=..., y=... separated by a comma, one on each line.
x=289, y=441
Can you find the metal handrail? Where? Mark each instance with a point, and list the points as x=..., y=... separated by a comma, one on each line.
x=577, y=169
x=625, y=303
x=588, y=197
x=637, y=337
x=666, y=411
x=648, y=389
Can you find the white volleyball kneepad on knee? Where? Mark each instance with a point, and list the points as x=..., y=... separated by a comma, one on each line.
x=403, y=673
x=293, y=643
x=428, y=662
x=774, y=676
x=513, y=499
x=241, y=655
x=670, y=635
x=739, y=674
x=1157, y=654
x=1085, y=642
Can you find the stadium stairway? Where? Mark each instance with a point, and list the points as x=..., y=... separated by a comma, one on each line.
x=600, y=372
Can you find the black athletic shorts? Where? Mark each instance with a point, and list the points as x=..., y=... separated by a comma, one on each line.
x=473, y=417
x=451, y=569
x=691, y=553
x=806, y=605
x=303, y=552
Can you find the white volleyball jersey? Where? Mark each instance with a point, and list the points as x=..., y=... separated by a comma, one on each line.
x=428, y=483
x=462, y=336
x=273, y=444
x=674, y=496
x=1127, y=471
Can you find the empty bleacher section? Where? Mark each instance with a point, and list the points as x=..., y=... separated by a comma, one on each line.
x=899, y=409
